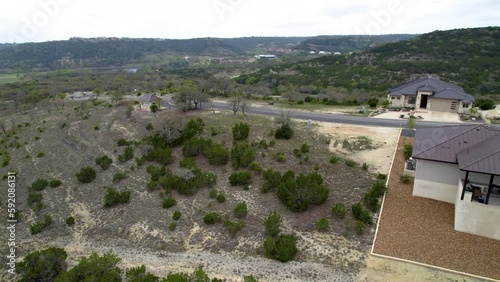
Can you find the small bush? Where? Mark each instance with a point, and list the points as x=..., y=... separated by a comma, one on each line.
x=40, y=155
x=285, y=131
x=360, y=214
x=255, y=167
x=284, y=248
x=55, y=183
x=39, y=184
x=350, y=163
x=240, y=210
x=297, y=153
x=220, y=198
x=241, y=131
x=272, y=223
x=96, y=128
x=86, y=175
x=38, y=226
x=104, y=162
x=339, y=210
x=127, y=155
x=122, y=142
x=149, y=126
x=304, y=148
x=240, y=178
x=212, y=193
x=365, y=166
x=233, y=226
x=407, y=151
x=405, y=179
x=172, y=226
x=485, y=103
x=177, y=214
x=114, y=197
x=360, y=227
x=70, y=220
x=280, y=157
x=211, y=218
x=272, y=143
x=119, y=176
x=322, y=225
x=168, y=203
x=213, y=132
x=334, y=159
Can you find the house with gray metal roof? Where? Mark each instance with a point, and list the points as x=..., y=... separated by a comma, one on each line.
x=149, y=99
x=430, y=94
x=461, y=165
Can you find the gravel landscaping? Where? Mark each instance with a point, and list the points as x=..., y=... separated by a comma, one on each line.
x=421, y=230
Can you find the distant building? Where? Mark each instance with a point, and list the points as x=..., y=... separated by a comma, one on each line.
x=430, y=94
x=337, y=53
x=324, y=53
x=149, y=99
x=81, y=95
x=265, y=57
x=312, y=53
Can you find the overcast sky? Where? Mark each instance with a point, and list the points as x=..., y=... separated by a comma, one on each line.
x=43, y=20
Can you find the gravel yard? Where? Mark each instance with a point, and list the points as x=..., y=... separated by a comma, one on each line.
x=421, y=230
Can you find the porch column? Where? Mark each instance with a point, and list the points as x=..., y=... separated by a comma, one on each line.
x=463, y=186
x=490, y=187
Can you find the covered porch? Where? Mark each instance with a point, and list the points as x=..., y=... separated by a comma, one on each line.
x=480, y=187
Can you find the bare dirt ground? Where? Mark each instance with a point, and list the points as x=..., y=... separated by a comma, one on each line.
x=383, y=142
x=427, y=116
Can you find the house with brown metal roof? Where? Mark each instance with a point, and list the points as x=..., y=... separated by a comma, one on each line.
x=461, y=165
x=430, y=94
x=149, y=99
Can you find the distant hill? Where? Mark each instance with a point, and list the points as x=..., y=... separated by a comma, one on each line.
x=6, y=45
x=468, y=57
x=116, y=52
x=349, y=43
x=107, y=52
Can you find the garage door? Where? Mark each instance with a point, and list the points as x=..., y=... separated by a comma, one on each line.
x=444, y=105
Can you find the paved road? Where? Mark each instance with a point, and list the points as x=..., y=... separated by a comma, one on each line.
x=335, y=118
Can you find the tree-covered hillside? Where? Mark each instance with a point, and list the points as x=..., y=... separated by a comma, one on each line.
x=467, y=57
x=349, y=43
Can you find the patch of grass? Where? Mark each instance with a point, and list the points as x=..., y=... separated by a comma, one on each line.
x=39, y=185
x=168, y=203
x=38, y=226
x=113, y=197
x=40, y=155
x=233, y=226
x=104, y=162
x=334, y=159
x=338, y=210
x=176, y=215
x=172, y=226
x=405, y=179
x=322, y=225
x=240, y=210
x=119, y=176
x=280, y=157
x=55, y=183
x=212, y=193
x=350, y=163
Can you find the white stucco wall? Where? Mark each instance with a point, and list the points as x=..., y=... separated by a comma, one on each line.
x=477, y=218
x=436, y=180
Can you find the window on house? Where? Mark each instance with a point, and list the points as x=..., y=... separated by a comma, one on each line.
x=399, y=98
x=412, y=100
x=453, y=105
x=392, y=97
x=465, y=105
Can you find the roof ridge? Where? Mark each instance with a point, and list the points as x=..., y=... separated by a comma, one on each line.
x=448, y=139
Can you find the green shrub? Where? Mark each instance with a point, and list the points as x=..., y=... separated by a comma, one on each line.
x=44, y=265
x=485, y=103
x=240, y=178
x=365, y=166
x=233, y=226
x=39, y=185
x=360, y=214
x=5, y=160
x=242, y=155
x=297, y=153
x=70, y=220
x=220, y=198
x=96, y=127
x=272, y=223
x=113, y=197
x=119, y=176
x=249, y=279
x=149, y=127
x=212, y=193
x=284, y=248
x=405, y=179
x=322, y=225
x=284, y=131
x=255, y=167
x=40, y=155
x=241, y=131
x=55, y=183
x=213, y=132
x=360, y=227
x=339, y=210
x=38, y=226
x=280, y=157
x=172, y=226
x=350, y=163
x=240, y=210
x=298, y=193
x=263, y=144
x=272, y=143
x=211, y=218
x=304, y=148
x=153, y=108
x=127, y=155
x=86, y=175
x=122, y=142
x=176, y=215
x=407, y=150
x=104, y=162
x=168, y=203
